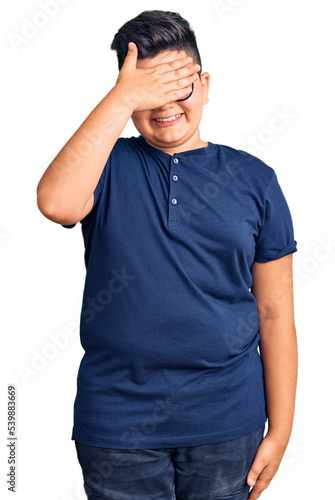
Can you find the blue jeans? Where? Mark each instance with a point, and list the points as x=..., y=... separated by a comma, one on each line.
x=206, y=472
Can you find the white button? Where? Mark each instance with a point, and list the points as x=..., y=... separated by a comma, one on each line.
x=175, y=161
x=175, y=177
x=174, y=201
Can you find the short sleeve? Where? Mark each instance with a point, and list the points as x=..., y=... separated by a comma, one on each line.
x=97, y=192
x=276, y=236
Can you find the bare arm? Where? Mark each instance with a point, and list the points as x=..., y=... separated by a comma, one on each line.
x=273, y=289
x=65, y=191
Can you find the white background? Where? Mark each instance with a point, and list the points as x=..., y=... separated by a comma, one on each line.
x=265, y=57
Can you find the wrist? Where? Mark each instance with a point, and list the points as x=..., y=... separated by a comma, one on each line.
x=281, y=437
x=123, y=98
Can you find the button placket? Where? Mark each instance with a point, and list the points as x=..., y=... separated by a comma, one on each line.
x=174, y=192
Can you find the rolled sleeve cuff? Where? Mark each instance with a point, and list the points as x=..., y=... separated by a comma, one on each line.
x=268, y=256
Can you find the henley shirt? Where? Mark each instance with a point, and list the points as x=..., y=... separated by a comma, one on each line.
x=168, y=323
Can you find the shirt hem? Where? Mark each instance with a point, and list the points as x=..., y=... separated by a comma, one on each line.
x=182, y=441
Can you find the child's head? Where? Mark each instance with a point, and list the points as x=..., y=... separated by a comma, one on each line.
x=155, y=31
x=163, y=37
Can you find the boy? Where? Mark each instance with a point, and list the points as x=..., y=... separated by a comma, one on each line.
x=188, y=251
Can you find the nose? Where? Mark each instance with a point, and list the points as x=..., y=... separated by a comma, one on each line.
x=166, y=106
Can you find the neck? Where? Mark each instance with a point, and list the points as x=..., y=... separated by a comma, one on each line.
x=193, y=143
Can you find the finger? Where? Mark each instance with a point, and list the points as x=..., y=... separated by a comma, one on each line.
x=131, y=58
x=184, y=72
x=253, y=477
x=262, y=483
x=256, y=468
x=181, y=85
x=176, y=95
x=174, y=65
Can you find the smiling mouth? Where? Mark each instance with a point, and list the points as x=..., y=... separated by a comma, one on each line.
x=167, y=120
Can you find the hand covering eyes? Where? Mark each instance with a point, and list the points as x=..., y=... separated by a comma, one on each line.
x=178, y=100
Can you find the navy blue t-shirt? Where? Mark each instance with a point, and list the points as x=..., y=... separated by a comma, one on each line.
x=168, y=322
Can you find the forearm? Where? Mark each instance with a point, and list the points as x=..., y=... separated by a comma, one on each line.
x=71, y=178
x=278, y=347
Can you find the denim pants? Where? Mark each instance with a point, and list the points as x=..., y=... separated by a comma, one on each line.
x=206, y=472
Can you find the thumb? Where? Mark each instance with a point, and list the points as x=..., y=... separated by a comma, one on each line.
x=131, y=58
x=254, y=472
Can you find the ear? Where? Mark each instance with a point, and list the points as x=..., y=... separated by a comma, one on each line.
x=205, y=81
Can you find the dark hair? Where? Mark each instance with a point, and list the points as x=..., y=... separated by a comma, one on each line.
x=154, y=31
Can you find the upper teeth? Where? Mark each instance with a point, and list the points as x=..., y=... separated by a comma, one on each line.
x=162, y=120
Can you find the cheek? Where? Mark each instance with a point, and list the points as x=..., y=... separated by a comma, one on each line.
x=194, y=105
x=140, y=117
x=193, y=110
